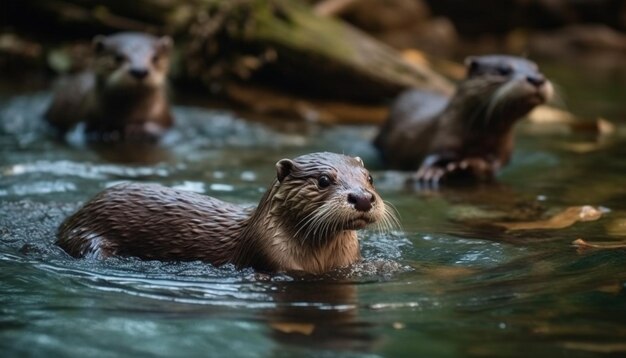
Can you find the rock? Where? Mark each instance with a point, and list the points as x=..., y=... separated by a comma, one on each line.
x=577, y=39
x=379, y=16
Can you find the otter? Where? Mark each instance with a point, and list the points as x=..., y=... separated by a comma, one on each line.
x=469, y=135
x=306, y=221
x=123, y=93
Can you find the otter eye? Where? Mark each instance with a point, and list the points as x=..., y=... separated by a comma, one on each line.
x=119, y=59
x=323, y=181
x=370, y=179
x=472, y=66
x=504, y=70
x=155, y=59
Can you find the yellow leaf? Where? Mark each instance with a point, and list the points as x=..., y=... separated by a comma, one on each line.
x=566, y=218
x=582, y=244
x=289, y=327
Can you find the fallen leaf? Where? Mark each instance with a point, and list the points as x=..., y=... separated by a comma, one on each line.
x=596, y=347
x=566, y=218
x=584, y=147
x=600, y=126
x=589, y=213
x=605, y=127
x=558, y=120
x=289, y=327
x=612, y=288
x=547, y=114
x=607, y=245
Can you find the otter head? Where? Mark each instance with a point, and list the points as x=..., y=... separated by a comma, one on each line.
x=131, y=60
x=505, y=87
x=321, y=194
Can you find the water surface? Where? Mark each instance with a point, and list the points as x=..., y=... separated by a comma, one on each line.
x=443, y=285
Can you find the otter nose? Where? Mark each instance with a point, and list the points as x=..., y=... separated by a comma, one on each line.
x=361, y=201
x=536, y=80
x=138, y=73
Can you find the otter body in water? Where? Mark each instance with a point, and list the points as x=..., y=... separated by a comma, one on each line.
x=123, y=93
x=470, y=134
x=305, y=221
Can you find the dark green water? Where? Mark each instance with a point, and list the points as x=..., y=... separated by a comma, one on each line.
x=443, y=286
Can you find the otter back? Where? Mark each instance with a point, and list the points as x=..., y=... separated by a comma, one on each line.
x=153, y=222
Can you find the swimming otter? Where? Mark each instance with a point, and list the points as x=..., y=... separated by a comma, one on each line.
x=123, y=93
x=470, y=134
x=305, y=221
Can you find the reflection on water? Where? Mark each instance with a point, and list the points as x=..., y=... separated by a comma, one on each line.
x=445, y=285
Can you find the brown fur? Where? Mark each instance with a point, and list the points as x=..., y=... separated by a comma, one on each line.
x=122, y=95
x=289, y=230
x=470, y=133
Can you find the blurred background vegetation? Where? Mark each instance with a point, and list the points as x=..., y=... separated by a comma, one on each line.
x=346, y=57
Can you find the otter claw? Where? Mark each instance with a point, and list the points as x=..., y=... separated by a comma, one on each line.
x=432, y=175
x=429, y=176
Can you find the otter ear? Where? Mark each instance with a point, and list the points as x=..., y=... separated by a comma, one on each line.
x=165, y=43
x=358, y=159
x=284, y=168
x=98, y=43
x=472, y=64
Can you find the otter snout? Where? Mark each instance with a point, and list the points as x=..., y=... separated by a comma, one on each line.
x=536, y=79
x=362, y=201
x=138, y=72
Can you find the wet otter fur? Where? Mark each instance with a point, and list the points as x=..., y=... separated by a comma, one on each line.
x=123, y=93
x=469, y=135
x=306, y=221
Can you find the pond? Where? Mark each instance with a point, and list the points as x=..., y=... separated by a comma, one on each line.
x=444, y=284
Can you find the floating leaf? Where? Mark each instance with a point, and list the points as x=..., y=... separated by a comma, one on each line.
x=600, y=126
x=553, y=119
x=566, y=218
x=584, y=147
x=607, y=245
x=597, y=347
x=290, y=327
x=546, y=114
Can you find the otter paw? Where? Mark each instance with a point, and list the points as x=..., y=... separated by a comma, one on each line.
x=478, y=168
x=469, y=169
x=143, y=132
x=430, y=175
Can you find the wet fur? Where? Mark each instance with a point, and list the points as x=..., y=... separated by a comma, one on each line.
x=297, y=225
x=472, y=131
x=114, y=104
